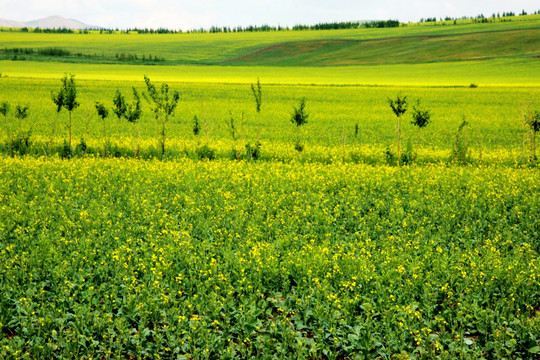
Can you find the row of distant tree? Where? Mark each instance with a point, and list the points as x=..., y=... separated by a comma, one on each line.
x=267, y=28
x=263, y=28
x=480, y=16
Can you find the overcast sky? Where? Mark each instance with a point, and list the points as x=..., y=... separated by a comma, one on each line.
x=189, y=14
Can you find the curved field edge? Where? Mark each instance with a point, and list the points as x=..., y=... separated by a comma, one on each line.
x=497, y=72
x=229, y=260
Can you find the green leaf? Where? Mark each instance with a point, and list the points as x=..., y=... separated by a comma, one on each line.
x=535, y=350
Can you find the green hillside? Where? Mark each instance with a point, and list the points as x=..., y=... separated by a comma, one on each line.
x=290, y=47
x=413, y=49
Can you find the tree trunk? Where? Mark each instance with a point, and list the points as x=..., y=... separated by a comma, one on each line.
x=464, y=153
x=138, y=140
x=533, y=146
x=106, y=142
x=523, y=141
x=10, y=137
x=52, y=134
x=162, y=139
x=419, y=142
x=70, y=133
x=399, y=142
x=258, y=127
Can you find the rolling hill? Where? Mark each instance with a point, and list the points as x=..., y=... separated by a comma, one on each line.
x=411, y=44
x=414, y=49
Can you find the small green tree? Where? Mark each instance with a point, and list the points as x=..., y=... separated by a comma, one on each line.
x=421, y=117
x=254, y=151
x=103, y=113
x=4, y=110
x=163, y=106
x=257, y=94
x=399, y=107
x=22, y=143
x=355, y=154
x=58, y=100
x=119, y=105
x=299, y=118
x=196, y=126
x=132, y=114
x=83, y=146
x=461, y=146
x=67, y=97
x=533, y=121
x=21, y=113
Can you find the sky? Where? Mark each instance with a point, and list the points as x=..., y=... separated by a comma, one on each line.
x=194, y=14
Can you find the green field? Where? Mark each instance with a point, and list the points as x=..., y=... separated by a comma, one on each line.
x=334, y=252
x=215, y=49
x=493, y=112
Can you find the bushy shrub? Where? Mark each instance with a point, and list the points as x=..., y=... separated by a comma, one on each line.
x=253, y=152
x=206, y=153
x=21, y=143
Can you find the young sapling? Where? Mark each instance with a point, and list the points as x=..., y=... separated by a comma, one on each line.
x=163, y=105
x=299, y=118
x=103, y=113
x=421, y=117
x=399, y=107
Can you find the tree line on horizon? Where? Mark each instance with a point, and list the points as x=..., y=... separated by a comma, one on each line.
x=480, y=16
x=338, y=25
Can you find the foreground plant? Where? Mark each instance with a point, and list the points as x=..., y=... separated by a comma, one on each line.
x=222, y=260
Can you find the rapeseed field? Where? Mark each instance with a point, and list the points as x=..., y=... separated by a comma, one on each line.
x=160, y=259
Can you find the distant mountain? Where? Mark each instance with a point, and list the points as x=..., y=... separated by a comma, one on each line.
x=11, y=23
x=51, y=22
